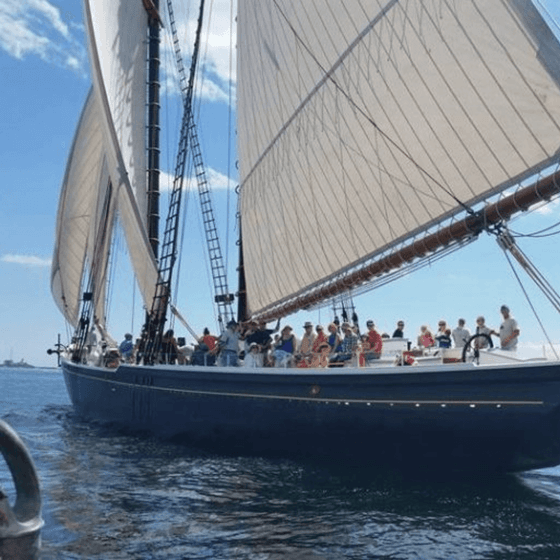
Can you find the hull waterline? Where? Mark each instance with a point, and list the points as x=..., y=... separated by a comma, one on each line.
x=461, y=417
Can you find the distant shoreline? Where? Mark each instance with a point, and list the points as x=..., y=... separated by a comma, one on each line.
x=12, y=364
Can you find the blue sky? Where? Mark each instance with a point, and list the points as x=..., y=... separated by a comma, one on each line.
x=43, y=64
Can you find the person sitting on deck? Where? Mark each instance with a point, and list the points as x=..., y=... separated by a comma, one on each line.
x=320, y=349
x=253, y=358
x=363, y=349
x=375, y=342
x=285, y=348
x=371, y=345
x=305, y=349
x=263, y=337
x=348, y=346
x=333, y=339
x=425, y=338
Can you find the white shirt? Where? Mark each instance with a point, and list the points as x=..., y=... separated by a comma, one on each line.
x=460, y=336
x=253, y=359
x=506, y=330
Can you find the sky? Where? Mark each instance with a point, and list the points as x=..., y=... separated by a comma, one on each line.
x=45, y=79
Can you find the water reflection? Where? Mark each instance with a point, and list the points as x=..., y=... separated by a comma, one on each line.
x=129, y=497
x=112, y=495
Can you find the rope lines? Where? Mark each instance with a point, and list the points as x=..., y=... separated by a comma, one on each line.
x=508, y=245
x=355, y=153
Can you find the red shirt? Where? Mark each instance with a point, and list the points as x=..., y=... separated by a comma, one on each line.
x=375, y=341
x=210, y=341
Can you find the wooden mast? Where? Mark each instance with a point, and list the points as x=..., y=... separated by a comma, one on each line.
x=153, y=170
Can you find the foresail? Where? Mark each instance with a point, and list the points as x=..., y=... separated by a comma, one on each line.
x=106, y=171
x=85, y=182
x=141, y=255
x=363, y=124
x=117, y=44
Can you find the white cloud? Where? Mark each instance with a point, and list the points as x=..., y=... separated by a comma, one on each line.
x=51, y=13
x=219, y=181
x=73, y=62
x=547, y=208
x=216, y=181
x=218, y=42
x=37, y=27
x=27, y=260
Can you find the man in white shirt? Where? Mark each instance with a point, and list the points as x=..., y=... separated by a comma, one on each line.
x=509, y=330
x=460, y=334
x=229, y=345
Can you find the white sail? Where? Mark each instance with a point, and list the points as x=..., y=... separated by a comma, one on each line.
x=85, y=182
x=362, y=124
x=117, y=32
x=106, y=171
x=117, y=42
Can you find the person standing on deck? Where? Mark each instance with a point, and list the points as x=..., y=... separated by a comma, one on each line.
x=460, y=334
x=481, y=328
x=126, y=347
x=399, y=333
x=169, y=348
x=509, y=330
x=425, y=338
x=229, y=345
x=209, y=347
x=443, y=338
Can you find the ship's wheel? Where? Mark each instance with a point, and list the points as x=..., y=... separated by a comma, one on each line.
x=471, y=350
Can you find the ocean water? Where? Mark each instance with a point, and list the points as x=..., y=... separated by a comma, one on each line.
x=110, y=495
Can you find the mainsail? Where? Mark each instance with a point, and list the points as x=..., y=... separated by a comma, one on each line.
x=106, y=171
x=364, y=124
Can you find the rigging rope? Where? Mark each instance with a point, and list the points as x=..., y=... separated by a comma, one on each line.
x=219, y=275
x=328, y=76
x=539, y=233
x=508, y=245
x=396, y=274
x=229, y=131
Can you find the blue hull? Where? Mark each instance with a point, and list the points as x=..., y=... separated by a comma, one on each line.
x=504, y=418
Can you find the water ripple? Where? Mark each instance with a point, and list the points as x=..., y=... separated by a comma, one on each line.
x=123, y=497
